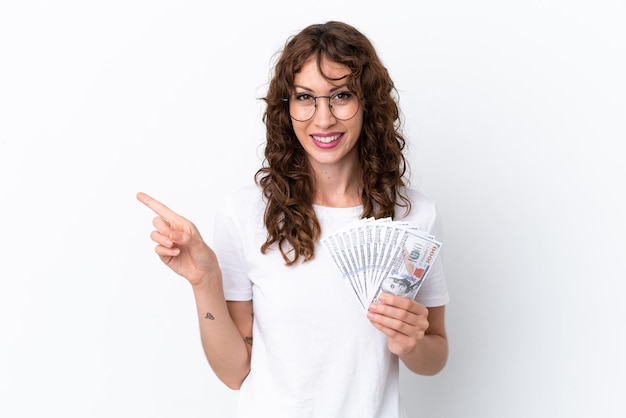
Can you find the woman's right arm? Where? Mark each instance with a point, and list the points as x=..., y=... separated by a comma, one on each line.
x=225, y=327
x=225, y=331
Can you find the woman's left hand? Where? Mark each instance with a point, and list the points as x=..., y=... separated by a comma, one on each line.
x=404, y=321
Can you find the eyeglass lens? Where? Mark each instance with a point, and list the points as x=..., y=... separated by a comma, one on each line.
x=343, y=105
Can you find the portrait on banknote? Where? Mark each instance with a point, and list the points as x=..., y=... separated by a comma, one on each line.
x=382, y=255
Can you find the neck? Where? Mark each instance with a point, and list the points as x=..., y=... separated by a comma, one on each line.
x=338, y=200
x=337, y=191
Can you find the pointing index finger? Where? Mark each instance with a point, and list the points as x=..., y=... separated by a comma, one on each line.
x=158, y=207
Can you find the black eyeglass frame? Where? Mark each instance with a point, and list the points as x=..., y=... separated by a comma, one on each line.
x=330, y=106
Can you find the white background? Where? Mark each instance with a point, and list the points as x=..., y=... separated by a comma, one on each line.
x=515, y=113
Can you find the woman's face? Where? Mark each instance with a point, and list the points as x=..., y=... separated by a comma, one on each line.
x=326, y=139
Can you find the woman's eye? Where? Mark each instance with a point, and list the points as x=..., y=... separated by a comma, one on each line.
x=304, y=97
x=343, y=96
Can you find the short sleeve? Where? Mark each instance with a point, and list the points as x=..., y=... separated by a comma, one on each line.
x=434, y=291
x=228, y=246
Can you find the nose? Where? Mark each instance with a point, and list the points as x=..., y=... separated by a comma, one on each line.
x=323, y=115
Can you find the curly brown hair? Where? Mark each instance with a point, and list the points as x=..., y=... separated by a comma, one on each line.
x=286, y=177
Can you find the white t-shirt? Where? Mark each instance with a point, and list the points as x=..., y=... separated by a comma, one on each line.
x=315, y=353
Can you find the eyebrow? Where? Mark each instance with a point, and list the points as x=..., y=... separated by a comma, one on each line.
x=334, y=89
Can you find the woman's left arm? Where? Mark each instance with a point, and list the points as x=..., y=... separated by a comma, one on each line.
x=415, y=333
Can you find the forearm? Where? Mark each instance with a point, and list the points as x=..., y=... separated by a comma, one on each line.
x=428, y=357
x=223, y=344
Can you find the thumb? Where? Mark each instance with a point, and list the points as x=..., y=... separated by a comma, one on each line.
x=177, y=237
x=189, y=239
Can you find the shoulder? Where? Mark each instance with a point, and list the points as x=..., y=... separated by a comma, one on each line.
x=419, y=203
x=423, y=210
x=242, y=210
x=243, y=202
x=248, y=194
x=418, y=198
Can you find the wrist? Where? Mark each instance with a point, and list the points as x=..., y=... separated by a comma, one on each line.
x=208, y=281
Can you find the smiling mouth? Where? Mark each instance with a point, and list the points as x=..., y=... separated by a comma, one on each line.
x=326, y=139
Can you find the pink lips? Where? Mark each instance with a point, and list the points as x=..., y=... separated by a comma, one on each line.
x=327, y=141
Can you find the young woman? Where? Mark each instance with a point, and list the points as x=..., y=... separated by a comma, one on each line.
x=277, y=321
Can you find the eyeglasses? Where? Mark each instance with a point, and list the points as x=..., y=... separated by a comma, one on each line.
x=302, y=106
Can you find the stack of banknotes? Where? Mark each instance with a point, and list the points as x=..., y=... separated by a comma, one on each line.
x=382, y=255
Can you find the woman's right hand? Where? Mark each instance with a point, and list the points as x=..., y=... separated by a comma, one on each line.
x=179, y=244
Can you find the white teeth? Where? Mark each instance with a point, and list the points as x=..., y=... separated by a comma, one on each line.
x=326, y=139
